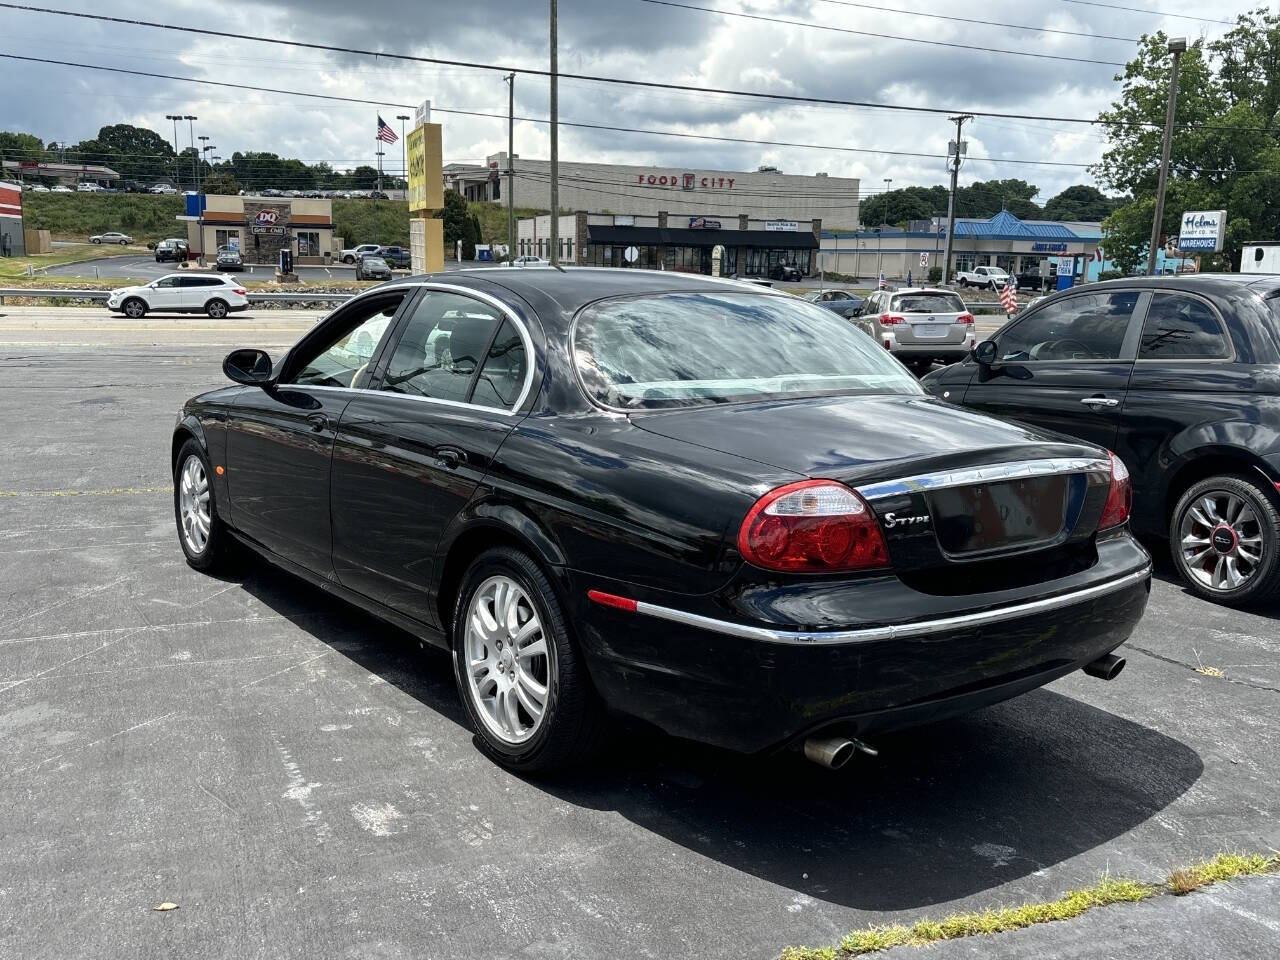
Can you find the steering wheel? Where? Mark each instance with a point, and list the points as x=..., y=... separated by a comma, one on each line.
x=1061, y=349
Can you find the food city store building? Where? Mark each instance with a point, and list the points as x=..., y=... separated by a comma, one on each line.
x=260, y=227
x=1014, y=245
x=764, y=194
x=683, y=242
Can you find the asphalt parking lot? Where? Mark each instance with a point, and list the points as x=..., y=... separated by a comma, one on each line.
x=299, y=779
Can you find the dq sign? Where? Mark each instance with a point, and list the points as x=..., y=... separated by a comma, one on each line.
x=266, y=218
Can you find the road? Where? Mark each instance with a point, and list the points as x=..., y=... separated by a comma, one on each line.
x=144, y=267
x=300, y=780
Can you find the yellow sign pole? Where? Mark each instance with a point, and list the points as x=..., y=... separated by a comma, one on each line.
x=426, y=196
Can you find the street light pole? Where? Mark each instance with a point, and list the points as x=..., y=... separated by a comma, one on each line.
x=404, y=163
x=511, y=165
x=175, y=117
x=204, y=149
x=1177, y=47
x=191, y=129
x=555, y=145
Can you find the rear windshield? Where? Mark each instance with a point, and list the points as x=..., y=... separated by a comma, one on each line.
x=927, y=303
x=682, y=349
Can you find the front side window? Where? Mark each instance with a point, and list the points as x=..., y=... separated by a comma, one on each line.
x=1089, y=326
x=443, y=347
x=168, y=282
x=1181, y=328
x=676, y=350
x=340, y=360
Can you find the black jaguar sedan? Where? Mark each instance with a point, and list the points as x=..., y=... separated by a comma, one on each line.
x=1180, y=376
x=697, y=503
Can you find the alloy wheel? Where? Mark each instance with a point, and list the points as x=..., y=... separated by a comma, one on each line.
x=217, y=309
x=134, y=309
x=508, y=670
x=193, y=504
x=1221, y=540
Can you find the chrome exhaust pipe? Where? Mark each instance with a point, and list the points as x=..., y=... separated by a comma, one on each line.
x=834, y=752
x=1107, y=667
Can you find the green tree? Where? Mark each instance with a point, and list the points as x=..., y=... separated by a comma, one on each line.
x=136, y=153
x=898, y=207
x=1081, y=202
x=1225, y=149
x=221, y=182
x=20, y=146
x=455, y=216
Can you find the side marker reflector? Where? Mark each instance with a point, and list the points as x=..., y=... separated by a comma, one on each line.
x=612, y=600
x=218, y=470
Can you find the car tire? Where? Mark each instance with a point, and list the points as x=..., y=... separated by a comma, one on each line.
x=217, y=309
x=572, y=723
x=124, y=243
x=95, y=240
x=1224, y=528
x=134, y=308
x=348, y=259
x=204, y=541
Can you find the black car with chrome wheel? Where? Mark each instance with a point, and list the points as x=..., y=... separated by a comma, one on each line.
x=1179, y=375
x=698, y=503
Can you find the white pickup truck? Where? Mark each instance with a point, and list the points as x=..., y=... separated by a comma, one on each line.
x=355, y=253
x=993, y=278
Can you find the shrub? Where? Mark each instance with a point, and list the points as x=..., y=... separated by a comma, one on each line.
x=935, y=274
x=1111, y=275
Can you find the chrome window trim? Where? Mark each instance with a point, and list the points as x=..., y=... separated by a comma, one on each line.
x=483, y=297
x=924, y=482
x=893, y=631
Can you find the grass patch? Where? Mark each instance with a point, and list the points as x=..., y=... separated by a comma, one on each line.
x=15, y=268
x=1109, y=890
x=75, y=216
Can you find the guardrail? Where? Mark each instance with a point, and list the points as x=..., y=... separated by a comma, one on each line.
x=104, y=294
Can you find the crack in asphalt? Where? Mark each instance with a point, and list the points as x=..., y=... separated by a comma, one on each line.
x=1192, y=668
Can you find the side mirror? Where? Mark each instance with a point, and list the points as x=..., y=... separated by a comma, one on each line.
x=248, y=366
x=984, y=353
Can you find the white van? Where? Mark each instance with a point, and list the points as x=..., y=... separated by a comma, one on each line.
x=1260, y=258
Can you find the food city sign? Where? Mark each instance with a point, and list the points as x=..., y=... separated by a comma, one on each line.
x=686, y=181
x=1202, y=230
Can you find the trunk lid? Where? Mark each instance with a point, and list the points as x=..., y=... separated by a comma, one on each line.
x=956, y=493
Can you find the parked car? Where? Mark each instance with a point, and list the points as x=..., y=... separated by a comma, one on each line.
x=112, y=236
x=230, y=259
x=211, y=294
x=1181, y=377
x=61, y=188
x=372, y=267
x=36, y=188
x=1031, y=280
x=396, y=256
x=88, y=187
x=921, y=325
x=990, y=278
x=785, y=272
x=171, y=249
x=842, y=302
x=530, y=261
x=354, y=253
x=661, y=537
x=378, y=195
x=163, y=188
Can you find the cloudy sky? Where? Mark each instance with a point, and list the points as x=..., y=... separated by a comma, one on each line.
x=618, y=38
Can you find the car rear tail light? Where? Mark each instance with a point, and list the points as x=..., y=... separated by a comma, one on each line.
x=891, y=319
x=1119, y=496
x=239, y=291
x=966, y=319
x=814, y=526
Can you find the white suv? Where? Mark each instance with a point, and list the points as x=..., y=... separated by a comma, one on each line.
x=213, y=294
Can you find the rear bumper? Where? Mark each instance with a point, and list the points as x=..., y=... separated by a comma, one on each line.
x=752, y=687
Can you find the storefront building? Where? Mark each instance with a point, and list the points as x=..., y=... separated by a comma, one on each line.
x=1016, y=246
x=260, y=227
x=684, y=242
x=12, y=242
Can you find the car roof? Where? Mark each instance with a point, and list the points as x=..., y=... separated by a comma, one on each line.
x=571, y=288
x=1264, y=284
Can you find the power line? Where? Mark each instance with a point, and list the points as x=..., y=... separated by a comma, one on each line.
x=1158, y=13
x=476, y=113
x=883, y=36
x=985, y=23
x=531, y=71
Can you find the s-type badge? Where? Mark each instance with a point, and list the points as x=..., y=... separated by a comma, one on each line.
x=892, y=520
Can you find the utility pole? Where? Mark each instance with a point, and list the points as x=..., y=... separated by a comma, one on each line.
x=404, y=163
x=957, y=149
x=555, y=147
x=175, y=117
x=1177, y=47
x=511, y=165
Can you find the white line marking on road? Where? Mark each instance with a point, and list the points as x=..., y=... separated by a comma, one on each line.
x=295, y=666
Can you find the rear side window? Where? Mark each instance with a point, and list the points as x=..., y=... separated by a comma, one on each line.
x=503, y=373
x=1088, y=326
x=1182, y=328
x=927, y=303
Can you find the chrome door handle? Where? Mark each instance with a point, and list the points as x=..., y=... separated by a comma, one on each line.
x=317, y=422
x=449, y=457
x=1100, y=402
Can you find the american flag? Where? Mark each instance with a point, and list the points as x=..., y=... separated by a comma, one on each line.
x=881, y=285
x=1009, y=297
x=385, y=133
